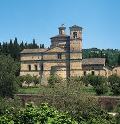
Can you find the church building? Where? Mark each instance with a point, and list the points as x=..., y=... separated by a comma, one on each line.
x=63, y=58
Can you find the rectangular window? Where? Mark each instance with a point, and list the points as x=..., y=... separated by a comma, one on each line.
x=35, y=67
x=93, y=73
x=84, y=73
x=29, y=67
x=59, y=56
x=41, y=67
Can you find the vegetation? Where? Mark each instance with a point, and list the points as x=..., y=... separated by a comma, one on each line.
x=36, y=115
x=112, y=55
x=8, y=69
x=54, y=79
x=14, y=47
x=72, y=106
x=114, y=81
x=71, y=98
x=89, y=84
x=45, y=90
x=119, y=59
x=99, y=83
x=44, y=114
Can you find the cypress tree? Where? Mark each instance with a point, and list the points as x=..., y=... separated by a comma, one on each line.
x=119, y=59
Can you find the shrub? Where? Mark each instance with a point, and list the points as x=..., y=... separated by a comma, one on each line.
x=28, y=79
x=36, y=80
x=114, y=82
x=37, y=115
x=8, y=69
x=101, y=86
x=98, y=82
x=20, y=80
x=54, y=79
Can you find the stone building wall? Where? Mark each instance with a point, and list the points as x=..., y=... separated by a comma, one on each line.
x=116, y=70
x=64, y=58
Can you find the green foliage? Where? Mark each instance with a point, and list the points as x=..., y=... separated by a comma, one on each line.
x=28, y=79
x=36, y=80
x=8, y=68
x=111, y=55
x=98, y=82
x=20, y=80
x=84, y=109
x=114, y=81
x=119, y=59
x=101, y=86
x=37, y=115
x=10, y=104
x=54, y=79
x=13, y=48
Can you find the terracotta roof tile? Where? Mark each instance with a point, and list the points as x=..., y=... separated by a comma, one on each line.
x=34, y=50
x=93, y=61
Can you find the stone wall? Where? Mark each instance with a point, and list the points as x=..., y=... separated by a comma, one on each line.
x=116, y=70
x=107, y=102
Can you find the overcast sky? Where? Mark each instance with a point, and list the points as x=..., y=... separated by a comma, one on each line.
x=40, y=19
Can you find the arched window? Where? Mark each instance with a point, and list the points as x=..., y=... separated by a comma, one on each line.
x=74, y=35
x=59, y=56
x=115, y=71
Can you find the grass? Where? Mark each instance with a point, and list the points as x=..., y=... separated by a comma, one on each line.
x=29, y=90
x=34, y=90
x=47, y=90
x=88, y=90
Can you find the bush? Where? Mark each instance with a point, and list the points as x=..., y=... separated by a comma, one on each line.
x=37, y=115
x=54, y=79
x=20, y=80
x=28, y=79
x=98, y=82
x=101, y=86
x=114, y=81
x=36, y=80
x=9, y=103
x=8, y=69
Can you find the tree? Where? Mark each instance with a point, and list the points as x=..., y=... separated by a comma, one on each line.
x=54, y=79
x=16, y=51
x=106, y=59
x=8, y=68
x=35, y=80
x=119, y=59
x=34, y=45
x=28, y=79
x=20, y=80
x=22, y=46
x=114, y=81
x=36, y=115
x=98, y=82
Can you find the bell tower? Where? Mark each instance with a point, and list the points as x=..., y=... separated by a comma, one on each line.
x=75, y=50
x=75, y=38
x=62, y=30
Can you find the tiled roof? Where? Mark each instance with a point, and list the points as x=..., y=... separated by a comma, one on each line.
x=93, y=61
x=55, y=49
x=60, y=35
x=75, y=26
x=34, y=50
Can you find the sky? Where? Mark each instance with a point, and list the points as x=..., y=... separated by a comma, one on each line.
x=40, y=19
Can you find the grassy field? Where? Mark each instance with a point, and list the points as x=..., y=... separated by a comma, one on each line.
x=47, y=90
